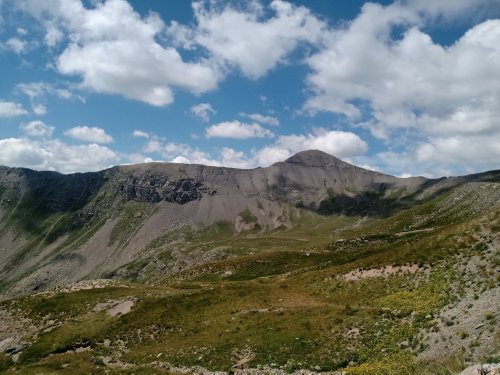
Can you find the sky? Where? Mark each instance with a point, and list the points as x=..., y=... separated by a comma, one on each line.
x=407, y=87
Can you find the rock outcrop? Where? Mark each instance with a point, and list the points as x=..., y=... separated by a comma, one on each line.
x=154, y=188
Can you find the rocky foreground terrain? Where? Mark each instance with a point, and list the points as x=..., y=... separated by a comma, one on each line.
x=309, y=266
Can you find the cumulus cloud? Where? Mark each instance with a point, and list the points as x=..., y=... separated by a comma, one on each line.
x=335, y=142
x=153, y=145
x=237, y=130
x=140, y=134
x=246, y=37
x=235, y=159
x=89, y=134
x=37, y=128
x=37, y=90
x=410, y=82
x=271, y=154
x=262, y=119
x=182, y=153
x=16, y=45
x=39, y=109
x=55, y=155
x=186, y=154
x=114, y=50
x=450, y=9
x=136, y=158
x=11, y=109
x=203, y=111
x=482, y=149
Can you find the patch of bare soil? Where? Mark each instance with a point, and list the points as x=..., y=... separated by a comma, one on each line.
x=115, y=308
x=84, y=285
x=386, y=271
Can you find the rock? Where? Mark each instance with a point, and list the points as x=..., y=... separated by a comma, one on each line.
x=404, y=344
x=153, y=188
x=18, y=348
x=485, y=369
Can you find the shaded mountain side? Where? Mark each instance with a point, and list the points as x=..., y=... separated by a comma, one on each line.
x=56, y=228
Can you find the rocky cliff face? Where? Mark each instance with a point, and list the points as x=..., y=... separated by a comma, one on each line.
x=154, y=188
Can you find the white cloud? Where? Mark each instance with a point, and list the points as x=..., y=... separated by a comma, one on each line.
x=139, y=158
x=66, y=94
x=53, y=154
x=180, y=160
x=11, y=109
x=181, y=153
x=116, y=51
x=262, y=119
x=17, y=45
x=410, y=82
x=450, y=9
x=34, y=89
x=153, y=145
x=177, y=152
x=271, y=154
x=37, y=128
x=89, y=134
x=237, y=130
x=482, y=149
x=335, y=142
x=235, y=159
x=140, y=134
x=245, y=37
x=37, y=91
x=53, y=35
x=203, y=111
x=39, y=109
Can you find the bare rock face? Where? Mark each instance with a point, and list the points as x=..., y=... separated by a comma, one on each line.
x=315, y=159
x=154, y=188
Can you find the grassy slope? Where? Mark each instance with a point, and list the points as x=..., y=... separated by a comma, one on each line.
x=279, y=302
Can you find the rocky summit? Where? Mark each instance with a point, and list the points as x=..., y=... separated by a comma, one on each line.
x=309, y=265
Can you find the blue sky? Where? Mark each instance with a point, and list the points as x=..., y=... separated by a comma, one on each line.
x=409, y=87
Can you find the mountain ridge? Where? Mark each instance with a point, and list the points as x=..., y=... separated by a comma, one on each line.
x=106, y=219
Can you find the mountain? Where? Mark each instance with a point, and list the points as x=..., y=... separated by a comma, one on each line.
x=57, y=228
x=311, y=263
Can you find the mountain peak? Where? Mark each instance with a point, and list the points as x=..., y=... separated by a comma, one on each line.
x=314, y=158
